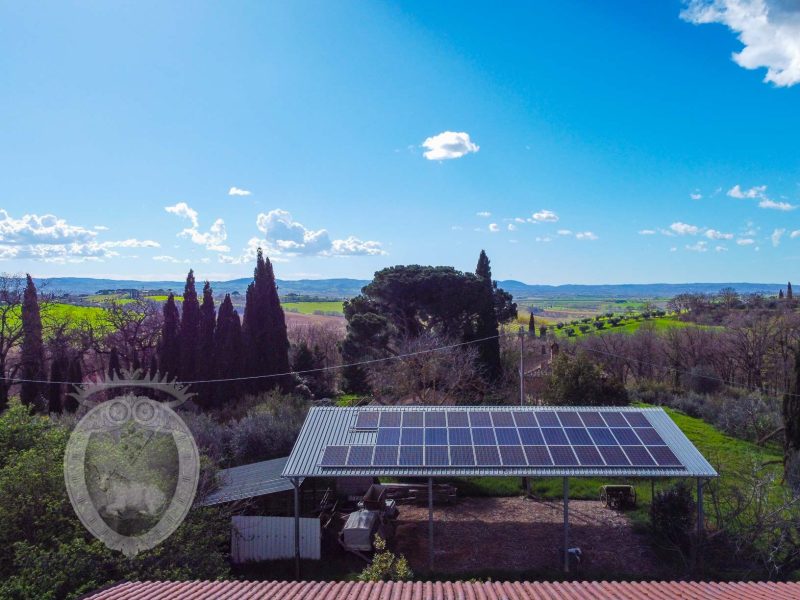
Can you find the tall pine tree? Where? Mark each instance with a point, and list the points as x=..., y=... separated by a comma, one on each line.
x=189, y=331
x=789, y=295
x=205, y=346
x=487, y=326
x=32, y=352
x=532, y=325
x=169, y=346
x=227, y=353
x=264, y=328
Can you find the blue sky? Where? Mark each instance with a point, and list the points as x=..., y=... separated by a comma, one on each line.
x=577, y=142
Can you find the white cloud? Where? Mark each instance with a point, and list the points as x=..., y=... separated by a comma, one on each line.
x=696, y=196
x=448, y=145
x=170, y=259
x=494, y=227
x=768, y=29
x=757, y=191
x=776, y=236
x=51, y=239
x=586, y=235
x=713, y=234
x=784, y=206
x=544, y=239
x=213, y=239
x=720, y=249
x=100, y=228
x=511, y=227
x=235, y=191
x=484, y=213
x=564, y=232
x=456, y=228
x=544, y=216
x=745, y=242
x=700, y=246
x=795, y=234
x=647, y=232
x=684, y=228
x=519, y=220
x=286, y=236
x=673, y=249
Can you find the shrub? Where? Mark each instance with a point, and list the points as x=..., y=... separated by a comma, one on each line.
x=577, y=381
x=385, y=565
x=673, y=515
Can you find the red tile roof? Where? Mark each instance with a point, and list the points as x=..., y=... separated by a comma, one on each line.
x=537, y=590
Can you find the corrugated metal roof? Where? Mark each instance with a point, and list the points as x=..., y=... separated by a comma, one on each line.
x=331, y=426
x=249, y=481
x=458, y=590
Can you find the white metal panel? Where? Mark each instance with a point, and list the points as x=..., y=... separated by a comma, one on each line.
x=272, y=538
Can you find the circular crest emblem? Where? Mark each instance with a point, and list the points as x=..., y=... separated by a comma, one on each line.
x=131, y=465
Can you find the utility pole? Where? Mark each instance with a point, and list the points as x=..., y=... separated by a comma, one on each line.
x=521, y=334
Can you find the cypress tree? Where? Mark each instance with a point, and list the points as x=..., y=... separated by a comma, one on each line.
x=152, y=370
x=114, y=367
x=189, y=331
x=542, y=331
x=791, y=427
x=264, y=328
x=74, y=376
x=531, y=325
x=169, y=347
x=32, y=352
x=227, y=353
x=54, y=404
x=487, y=326
x=789, y=295
x=780, y=294
x=205, y=358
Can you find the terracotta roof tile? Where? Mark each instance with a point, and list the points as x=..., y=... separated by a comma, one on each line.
x=460, y=590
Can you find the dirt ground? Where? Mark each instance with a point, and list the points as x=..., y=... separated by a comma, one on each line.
x=515, y=534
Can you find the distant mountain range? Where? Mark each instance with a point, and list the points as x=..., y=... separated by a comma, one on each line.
x=347, y=288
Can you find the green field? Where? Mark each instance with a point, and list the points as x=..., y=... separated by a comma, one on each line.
x=310, y=308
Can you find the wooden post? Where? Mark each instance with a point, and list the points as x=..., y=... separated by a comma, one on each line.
x=430, y=524
x=566, y=525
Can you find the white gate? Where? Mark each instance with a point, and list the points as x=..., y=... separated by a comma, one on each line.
x=272, y=538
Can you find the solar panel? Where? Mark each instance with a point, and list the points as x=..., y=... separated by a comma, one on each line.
x=390, y=419
x=592, y=419
x=570, y=419
x=531, y=436
x=615, y=419
x=334, y=456
x=385, y=456
x=410, y=456
x=436, y=436
x=588, y=456
x=388, y=436
x=614, y=456
x=502, y=419
x=359, y=456
x=459, y=436
x=462, y=456
x=625, y=436
x=602, y=436
x=637, y=419
x=650, y=437
x=480, y=419
x=563, y=456
x=554, y=436
x=367, y=419
x=412, y=418
x=578, y=436
x=435, y=419
x=483, y=436
x=538, y=456
x=437, y=456
x=638, y=456
x=548, y=419
x=512, y=456
x=664, y=456
x=526, y=419
x=412, y=436
x=507, y=436
x=487, y=456
x=457, y=419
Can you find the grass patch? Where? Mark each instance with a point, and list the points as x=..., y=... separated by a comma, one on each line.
x=311, y=308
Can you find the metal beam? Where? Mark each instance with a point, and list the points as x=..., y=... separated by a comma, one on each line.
x=296, y=484
x=566, y=525
x=430, y=523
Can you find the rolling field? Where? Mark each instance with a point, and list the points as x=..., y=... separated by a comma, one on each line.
x=310, y=308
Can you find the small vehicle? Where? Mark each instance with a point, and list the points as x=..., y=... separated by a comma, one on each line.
x=618, y=497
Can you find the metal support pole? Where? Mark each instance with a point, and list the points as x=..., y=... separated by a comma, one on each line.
x=566, y=525
x=521, y=366
x=700, y=515
x=296, y=484
x=652, y=499
x=430, y=524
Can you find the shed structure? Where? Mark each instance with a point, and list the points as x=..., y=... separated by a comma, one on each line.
x=500, y=441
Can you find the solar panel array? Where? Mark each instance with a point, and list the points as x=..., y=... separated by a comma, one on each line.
x=476, y=438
